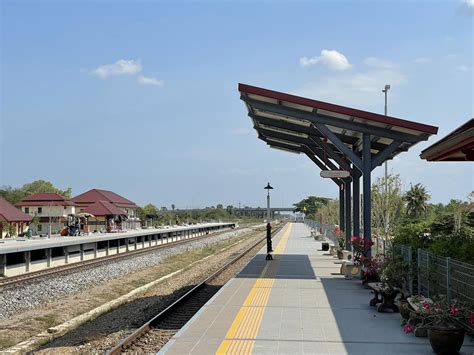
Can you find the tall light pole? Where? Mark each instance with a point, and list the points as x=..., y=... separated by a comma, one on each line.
x=385, y=91
x=268, y=188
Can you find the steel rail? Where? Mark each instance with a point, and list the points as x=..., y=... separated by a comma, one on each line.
x=145, y=328
x=32, y=276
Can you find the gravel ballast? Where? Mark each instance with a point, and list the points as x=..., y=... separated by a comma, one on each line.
x=36, y=293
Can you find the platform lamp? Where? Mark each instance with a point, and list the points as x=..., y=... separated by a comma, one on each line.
x=268, y=188
x=269, y=227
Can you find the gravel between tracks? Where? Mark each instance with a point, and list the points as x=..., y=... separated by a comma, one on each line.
x=104, y=332
x=35, y=293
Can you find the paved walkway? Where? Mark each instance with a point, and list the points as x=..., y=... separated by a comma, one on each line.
x=295, y=304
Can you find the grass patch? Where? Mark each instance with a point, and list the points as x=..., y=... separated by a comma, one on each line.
x=48, y=320
x=6, y=342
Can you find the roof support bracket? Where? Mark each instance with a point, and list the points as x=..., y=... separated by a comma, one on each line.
x=332, y=154
x=385, y=154
x=340, y=145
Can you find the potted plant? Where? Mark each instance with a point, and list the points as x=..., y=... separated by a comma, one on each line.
x=371, y=269
x=443, y=319
x=341, y=242
x=360, y=248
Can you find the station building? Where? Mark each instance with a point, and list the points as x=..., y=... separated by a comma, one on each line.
x=105, y=216
x=12, y=220
x=48, y=208
x=107, y=207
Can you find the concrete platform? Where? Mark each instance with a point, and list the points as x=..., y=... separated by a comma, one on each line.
x=295, y=304
x=19, y=256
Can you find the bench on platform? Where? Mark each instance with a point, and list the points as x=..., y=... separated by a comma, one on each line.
x=316, y=235
x=384, y=296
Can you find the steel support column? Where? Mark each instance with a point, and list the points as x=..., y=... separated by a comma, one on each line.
x=342, y=219
x=348, y=214
x=356, y=204
x=367, y=186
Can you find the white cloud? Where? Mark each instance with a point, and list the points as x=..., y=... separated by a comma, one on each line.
x=462, y=68
x=421, y=60
x=375, y=62
x=120, y=67
x=469, y=6
x=144, y=80
x=362, y=90
x=332, y=59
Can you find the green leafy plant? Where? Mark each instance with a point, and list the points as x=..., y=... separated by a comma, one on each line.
x=440, y=313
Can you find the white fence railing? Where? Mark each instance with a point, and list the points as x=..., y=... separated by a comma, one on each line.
x=327, y=230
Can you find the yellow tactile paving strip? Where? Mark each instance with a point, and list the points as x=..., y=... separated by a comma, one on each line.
x=240, y=338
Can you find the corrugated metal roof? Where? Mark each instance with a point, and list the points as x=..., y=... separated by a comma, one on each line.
x=12, y=214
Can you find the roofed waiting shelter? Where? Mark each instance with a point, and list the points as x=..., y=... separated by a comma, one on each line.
x=335, y=138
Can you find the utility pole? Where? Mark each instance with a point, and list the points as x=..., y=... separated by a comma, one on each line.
x=385, y=91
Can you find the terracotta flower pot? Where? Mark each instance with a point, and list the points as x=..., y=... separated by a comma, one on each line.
x=446, y=341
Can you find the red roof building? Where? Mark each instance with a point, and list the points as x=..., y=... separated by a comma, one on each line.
x=51, y=209
x=104, y=208
x=95, y=195
x=107, y=208
x=45, y=199
x=13, y=221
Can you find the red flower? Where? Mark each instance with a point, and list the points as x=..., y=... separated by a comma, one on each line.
x=337, y=230
x=409, y=328
x=426, y=306
x=453, y=310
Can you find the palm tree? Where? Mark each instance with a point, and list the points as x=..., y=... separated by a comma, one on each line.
x=417, y=198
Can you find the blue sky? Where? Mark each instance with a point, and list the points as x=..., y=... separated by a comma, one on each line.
x=141, y=97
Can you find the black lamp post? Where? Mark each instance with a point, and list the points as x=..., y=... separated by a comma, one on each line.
x=268, y=188
x=269, y=227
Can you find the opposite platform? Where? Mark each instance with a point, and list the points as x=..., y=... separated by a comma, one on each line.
x=298, y=304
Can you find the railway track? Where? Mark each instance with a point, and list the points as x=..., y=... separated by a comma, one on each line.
x=155, y=333
x=59, y=270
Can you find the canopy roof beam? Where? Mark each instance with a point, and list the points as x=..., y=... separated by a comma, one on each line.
x=318, y=118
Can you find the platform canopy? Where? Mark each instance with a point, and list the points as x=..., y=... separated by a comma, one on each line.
x=456, y=146
x=334, y=137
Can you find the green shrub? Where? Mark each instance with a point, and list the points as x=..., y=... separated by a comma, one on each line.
x=414, y=233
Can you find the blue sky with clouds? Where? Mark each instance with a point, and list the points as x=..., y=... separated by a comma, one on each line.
x=141, y=97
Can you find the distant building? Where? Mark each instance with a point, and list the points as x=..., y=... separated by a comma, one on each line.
x=48, y=208
x=12, y=220
x=106, y=216
x=112, y=211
